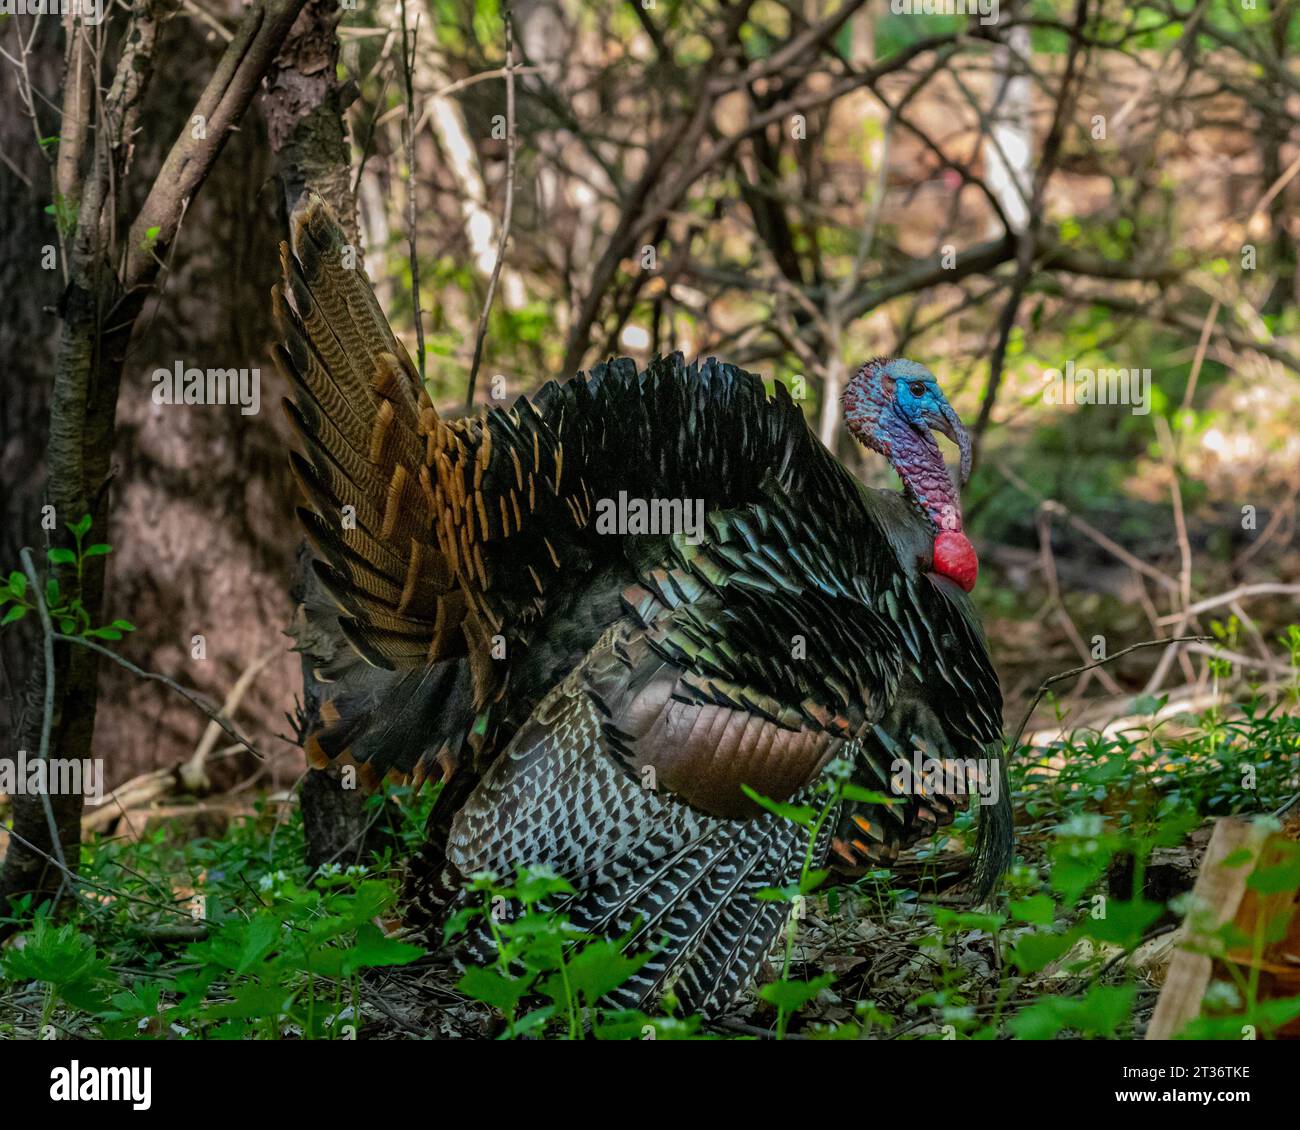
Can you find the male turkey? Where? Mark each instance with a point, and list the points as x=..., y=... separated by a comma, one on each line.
x=595, y=701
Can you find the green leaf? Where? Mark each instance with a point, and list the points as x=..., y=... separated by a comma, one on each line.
x=492, y=987
x=1267, y=1016
x=597, y=969
x=1125, y=922
x=1033, y=952
x=459, y=922
x=60, y=556
x=144, y=999
x=536, y=883
x=535, y=1019
x=81, y=526
x=17, y=612
x=1071, y=875
x=793, y=995
x=1149, y=704
x=123, y=625
x=1108, y=770
x=18, y=583
x=1098, y=1013
x=1037, y=910
x=800, y=814
x=63, y=958
x=96, y=550
x=1278, y=877
x=952, y=920
x=252, y=1000
x=1042, y=1020
x=867, y=796
x=373, y=949
x=261, y=935
x=812, y=881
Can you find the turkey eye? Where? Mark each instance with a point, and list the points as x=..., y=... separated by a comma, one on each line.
x=918, y=388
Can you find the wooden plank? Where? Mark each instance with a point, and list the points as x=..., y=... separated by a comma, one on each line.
x=1222, y=895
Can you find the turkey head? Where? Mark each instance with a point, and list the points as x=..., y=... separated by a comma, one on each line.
x=894, y=406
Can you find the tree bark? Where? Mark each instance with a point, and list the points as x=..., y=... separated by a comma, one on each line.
x=304, y=104
x=1273, y=136
x=31, y=275
x=99, y=311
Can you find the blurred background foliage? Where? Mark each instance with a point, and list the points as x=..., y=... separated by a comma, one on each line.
x=795, y=186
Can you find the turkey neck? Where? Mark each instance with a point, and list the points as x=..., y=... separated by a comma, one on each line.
x=926, y=481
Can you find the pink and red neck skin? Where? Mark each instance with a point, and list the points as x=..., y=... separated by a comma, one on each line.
x=871, y=415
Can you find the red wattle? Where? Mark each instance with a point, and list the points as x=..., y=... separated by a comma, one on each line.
x=954, y=557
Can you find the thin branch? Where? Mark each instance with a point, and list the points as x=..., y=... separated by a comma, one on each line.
x=47, y=713
x=206, y=17
x=234, y=82
x=1199, y=359
x=212, y=714
x=80, y=880
x=1028, y=240
x=192, y=771
x=1264, y=588
x=507, y=214
x=1184, y=550
x=1272, y=666
x=1089, y=531
x=408, y=144
x=1043, y=688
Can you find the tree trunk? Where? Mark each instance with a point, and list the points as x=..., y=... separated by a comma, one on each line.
x=31, y=278
x=304, y=104
x=99, y=312
x=1274, y=135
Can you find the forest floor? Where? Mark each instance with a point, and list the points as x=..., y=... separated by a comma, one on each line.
x=183, y=930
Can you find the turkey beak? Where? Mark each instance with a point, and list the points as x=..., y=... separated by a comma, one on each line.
x=949, y=423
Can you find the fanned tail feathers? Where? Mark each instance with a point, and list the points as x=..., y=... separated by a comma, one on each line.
x=365, y=426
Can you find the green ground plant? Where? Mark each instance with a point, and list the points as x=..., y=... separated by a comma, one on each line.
x=168, y=936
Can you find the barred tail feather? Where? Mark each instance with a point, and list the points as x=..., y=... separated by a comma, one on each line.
x=706, y=911
x=996, y=837
x=383, y=620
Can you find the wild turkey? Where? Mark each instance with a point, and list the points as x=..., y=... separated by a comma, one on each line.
x=595, y=700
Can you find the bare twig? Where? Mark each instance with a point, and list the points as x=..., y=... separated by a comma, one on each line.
x=1027, y=241
x=80, y=880
x=1280, y=514
x=1048, y=560
x=461, y=83
x=1199, y=359
x=1089, y=531
x=1266, y=663
x=204, y=16
x=1170, y=452
x=1047, y=683
x=408, y=142
x=211, y=712
x=1264, y=588
x=234, y=82
x=507, y=213
x=193, y=772
x=47, y=713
